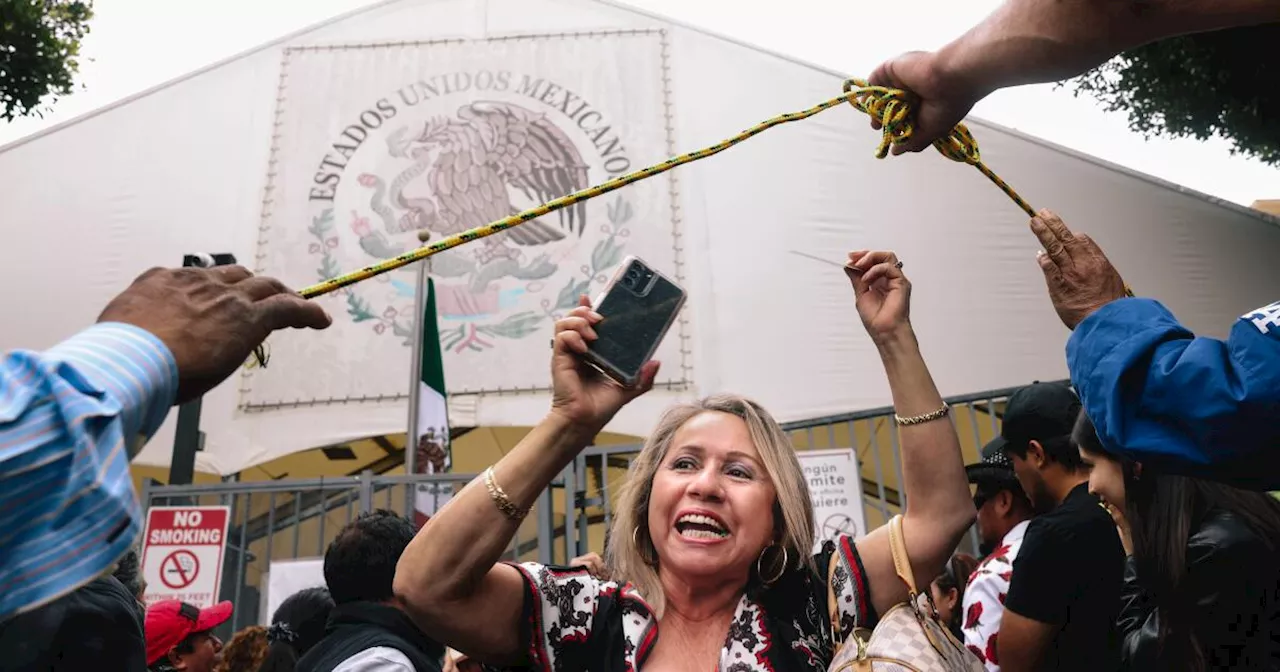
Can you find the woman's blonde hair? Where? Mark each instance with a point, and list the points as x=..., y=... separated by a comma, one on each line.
x=630, y=553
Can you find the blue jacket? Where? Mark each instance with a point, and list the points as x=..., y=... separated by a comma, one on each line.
x=1193, y=406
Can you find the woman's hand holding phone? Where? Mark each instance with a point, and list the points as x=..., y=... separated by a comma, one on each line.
x=580, y=393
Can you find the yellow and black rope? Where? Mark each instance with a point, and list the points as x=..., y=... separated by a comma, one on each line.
x=890, y=107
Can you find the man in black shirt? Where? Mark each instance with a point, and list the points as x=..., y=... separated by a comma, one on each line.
x=1064, y=596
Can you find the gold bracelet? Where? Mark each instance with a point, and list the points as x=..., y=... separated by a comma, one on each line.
x=501, y=499
x=921, y=419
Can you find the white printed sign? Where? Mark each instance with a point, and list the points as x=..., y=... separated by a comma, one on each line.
x=377, y=144
x=835, y=487
x=182, y=553
x=287, y=577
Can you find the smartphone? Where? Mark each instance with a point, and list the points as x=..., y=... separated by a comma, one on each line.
x=638, y=306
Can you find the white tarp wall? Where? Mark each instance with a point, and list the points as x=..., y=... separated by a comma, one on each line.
x=226, y=161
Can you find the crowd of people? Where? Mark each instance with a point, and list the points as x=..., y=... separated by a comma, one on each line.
x=1122, y=518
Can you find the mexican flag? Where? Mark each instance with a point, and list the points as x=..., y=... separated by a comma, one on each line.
x=431, y=454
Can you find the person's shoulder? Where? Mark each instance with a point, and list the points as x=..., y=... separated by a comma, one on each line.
x=993, y=574
x=1069, y=527
x=1224, y=536
x=576, y=585
x=1045, y=529
x=1081, y=515
x=575, y=578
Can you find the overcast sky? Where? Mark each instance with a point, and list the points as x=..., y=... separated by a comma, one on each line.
x=137, y=44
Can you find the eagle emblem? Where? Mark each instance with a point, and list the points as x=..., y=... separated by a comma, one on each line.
x=464, y=172
x=448, y=174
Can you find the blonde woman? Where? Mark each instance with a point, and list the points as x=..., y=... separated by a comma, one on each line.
x=711, y=544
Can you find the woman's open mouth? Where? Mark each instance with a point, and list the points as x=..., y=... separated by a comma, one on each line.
x=700, y=526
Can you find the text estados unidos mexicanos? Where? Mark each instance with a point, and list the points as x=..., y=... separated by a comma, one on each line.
x=182, y=537
x=600, y=131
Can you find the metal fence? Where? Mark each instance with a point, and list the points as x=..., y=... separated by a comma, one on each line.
x=598, y=471
x=297, y=519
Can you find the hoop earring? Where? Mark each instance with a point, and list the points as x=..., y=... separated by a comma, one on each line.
x=760, y=570
x=635, y=539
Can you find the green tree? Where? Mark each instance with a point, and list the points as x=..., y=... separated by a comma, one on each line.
x=1225, y=83
x=39, y=52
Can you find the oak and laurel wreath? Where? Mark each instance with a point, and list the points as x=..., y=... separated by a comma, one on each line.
x=357, y=306
x=606, y=255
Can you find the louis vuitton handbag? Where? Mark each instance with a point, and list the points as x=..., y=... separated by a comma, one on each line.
x=908, y=638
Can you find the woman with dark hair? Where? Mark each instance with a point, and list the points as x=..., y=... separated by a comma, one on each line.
x=297, y=625
x=947, y=591
x=1202, y=582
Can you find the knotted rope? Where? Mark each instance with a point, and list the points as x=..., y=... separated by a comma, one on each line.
x=892, y=109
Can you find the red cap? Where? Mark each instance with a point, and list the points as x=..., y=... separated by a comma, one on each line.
x=171, y=621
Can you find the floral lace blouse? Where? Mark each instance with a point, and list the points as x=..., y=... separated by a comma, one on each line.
x=573, y=621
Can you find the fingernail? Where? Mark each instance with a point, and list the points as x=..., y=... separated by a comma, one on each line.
x=1039, y=253
x=595, y=316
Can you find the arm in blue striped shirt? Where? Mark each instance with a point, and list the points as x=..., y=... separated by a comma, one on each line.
x=70, y=420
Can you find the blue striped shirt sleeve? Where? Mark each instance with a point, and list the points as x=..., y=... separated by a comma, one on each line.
x=70, y=420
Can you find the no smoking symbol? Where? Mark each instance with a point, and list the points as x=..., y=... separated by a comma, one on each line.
x=179, y=569
x=839, y=524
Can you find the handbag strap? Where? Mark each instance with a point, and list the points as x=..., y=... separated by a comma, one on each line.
x=901, y=565
x=901, y=561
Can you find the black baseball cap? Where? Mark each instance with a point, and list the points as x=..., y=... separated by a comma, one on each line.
x=1039, y=412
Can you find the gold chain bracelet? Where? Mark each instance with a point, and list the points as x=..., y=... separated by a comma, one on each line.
x=921, y=419
x=500, y=498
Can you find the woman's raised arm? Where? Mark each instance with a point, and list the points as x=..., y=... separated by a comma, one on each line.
x=939, y=508
x=449, y=579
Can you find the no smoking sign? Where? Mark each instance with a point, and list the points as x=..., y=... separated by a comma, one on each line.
x=182, y=553
x=179, y=569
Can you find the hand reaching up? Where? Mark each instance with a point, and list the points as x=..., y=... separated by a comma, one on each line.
x=883, y=293
x=211, y=319
x=1080, y=277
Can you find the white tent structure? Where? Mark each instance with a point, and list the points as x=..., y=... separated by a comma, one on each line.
x=320, y=152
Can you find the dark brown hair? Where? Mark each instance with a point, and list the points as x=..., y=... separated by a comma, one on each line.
x=955, y=576
x=1163, y=511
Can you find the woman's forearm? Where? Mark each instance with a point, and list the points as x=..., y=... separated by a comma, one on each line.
x=932, y=465
x=1033, y=41
x=449, y=558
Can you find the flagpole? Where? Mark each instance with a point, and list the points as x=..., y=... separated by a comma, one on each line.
x=415, y=390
